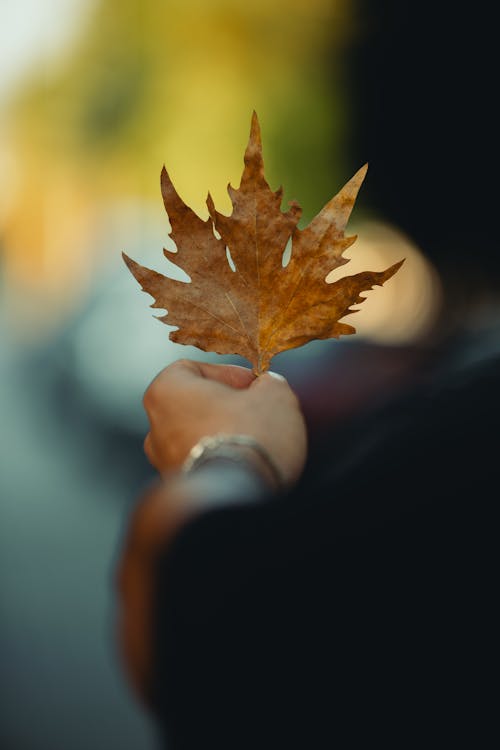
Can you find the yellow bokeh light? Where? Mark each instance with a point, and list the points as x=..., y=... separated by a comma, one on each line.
x=406, y=307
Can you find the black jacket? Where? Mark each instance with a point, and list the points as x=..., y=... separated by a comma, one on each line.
x=357, y=609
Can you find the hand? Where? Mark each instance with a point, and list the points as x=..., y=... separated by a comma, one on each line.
x=185, y=402
x=189, y=400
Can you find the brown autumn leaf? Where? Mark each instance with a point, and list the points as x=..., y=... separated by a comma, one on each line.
x=261, y=308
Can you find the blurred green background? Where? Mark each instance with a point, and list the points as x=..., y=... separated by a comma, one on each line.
x=95, y=96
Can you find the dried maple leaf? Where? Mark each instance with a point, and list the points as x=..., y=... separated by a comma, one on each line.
x=261, y=307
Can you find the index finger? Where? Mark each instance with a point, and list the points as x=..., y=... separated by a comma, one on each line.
x=233, y=376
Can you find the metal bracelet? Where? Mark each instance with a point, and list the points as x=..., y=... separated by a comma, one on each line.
x=220, y=445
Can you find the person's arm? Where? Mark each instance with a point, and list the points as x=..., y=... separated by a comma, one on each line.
x=186, y=403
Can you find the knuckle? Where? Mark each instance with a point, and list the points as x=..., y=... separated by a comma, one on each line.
x=153, y=395
x=181, y=364
x=149, y=398
x=150, y=452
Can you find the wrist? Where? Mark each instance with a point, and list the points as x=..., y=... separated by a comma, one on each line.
x=239, y=450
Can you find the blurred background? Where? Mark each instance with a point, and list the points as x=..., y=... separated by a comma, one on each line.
x=95, y=96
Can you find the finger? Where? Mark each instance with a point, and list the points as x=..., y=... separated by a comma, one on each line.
x=231, y=375
x=276, y=375
x=270, y=380
x=148, y=449
x=276, y=386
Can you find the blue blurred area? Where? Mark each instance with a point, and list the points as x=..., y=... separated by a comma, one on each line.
x=66, y=484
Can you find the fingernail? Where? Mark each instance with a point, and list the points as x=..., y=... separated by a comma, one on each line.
x=276, y=375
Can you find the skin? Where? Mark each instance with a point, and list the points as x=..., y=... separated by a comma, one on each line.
x=185, y=402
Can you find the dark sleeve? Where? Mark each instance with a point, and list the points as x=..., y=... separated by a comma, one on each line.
x=359, y=606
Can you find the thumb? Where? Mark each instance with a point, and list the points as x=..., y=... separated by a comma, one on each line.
x=269, y=379
x=276, y=375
